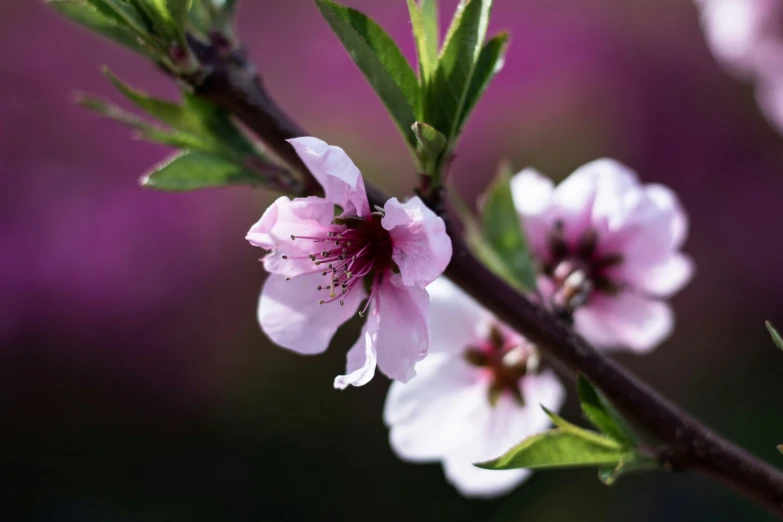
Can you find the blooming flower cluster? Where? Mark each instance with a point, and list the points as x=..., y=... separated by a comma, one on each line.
x=327, y=255
x=747, y=37
x=608, y=249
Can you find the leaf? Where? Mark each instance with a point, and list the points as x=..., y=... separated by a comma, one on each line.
x=197, y=117
x=601, y=414
x=502, y=228
x=178, y=9
x=446, y=96
x=103, y=23
x=196, y=170
x=162, y=19
x=424, y=19
x=146, y=130
x=631, y=461
x=380, y=61
x=431, y=143
x=558, y=448
x=477, y=243
x=776, y=338
x=490, y=62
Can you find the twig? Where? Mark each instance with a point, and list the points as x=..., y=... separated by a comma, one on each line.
x=232, y=83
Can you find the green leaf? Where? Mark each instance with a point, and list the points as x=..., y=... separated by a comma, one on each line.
x=196, y=170
x=502, y=228
x=178, y=10
x=426, y=33
x=197, y=117
x=601, y=413
x=775, y=335
x=446, y=96
x=630, y=462
x=147, y=130
x=490, y=62
x=431, y=143
x=102, y=22
x=161, y=19
x=380, y=61
x=558, y=448
x=477, y=242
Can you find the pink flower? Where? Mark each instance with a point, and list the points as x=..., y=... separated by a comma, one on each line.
x=322, y=268
x=747, y=38
x=477, y=394
x=609, y=248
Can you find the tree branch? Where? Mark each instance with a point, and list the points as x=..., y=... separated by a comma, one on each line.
x=232, y=83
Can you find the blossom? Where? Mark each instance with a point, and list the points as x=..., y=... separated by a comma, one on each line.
x=746, y=36
x=477, y=394
x=609, y=250
x=323, y=266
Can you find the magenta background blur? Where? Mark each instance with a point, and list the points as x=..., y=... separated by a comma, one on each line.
x=135, y=383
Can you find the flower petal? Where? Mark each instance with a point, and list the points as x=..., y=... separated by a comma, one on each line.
x=337, y=174
x=668, y=202
x=421, y=247
x=624, y=321
x=473, y=482
x=508, y=424
x=456, y=320
x=595, y=183
x=302, y=216
x=290, y=315
x=402, y=338
x=438, y=411
x=663, y=279
x=362, y=359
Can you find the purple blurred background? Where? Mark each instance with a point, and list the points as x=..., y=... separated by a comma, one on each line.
x=134, y=381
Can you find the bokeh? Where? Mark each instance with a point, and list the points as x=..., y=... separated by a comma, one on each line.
x=135, y=384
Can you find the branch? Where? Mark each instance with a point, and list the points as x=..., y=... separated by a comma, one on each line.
x=232, y=83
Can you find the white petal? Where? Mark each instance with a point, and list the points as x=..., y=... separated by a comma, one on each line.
x=456, y=320
x=663, y=279
x=290, y=315
x=438, y=411
x=532, y=193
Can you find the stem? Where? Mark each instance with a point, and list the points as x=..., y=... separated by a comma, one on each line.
x=232, y=83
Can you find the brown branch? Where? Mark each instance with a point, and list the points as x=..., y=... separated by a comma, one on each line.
x=232, y=83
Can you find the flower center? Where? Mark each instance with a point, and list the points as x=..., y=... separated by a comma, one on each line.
x=507, y=359
x=577, y=270
x=352, y=251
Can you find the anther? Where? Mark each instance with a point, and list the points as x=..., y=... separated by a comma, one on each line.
x=321, y=302
x=361, y=314
x=319, y=287
x=293, y=237
x=287, y=278
x=285, y=257
x=342, y=303
x=317, y=263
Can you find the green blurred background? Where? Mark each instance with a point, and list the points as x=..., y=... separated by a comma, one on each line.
x=135, y=384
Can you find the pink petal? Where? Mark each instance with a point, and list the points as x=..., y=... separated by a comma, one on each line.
x=456, y=320
x=421, y=247
x=290, y=315
x=360, y=367
x=304, y=217
x=438, y=411
x=663, y=279
x=575, y=197
x=337, y=174
x=403, y=338
x=669, y=204
x=532, y=193
x=624, y=321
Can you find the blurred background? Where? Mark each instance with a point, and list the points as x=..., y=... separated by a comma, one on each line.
x=135, y=384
